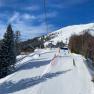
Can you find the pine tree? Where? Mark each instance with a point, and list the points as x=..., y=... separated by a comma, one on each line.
x=7, y=52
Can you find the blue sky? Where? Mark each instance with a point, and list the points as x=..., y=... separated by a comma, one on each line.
x=28, y=16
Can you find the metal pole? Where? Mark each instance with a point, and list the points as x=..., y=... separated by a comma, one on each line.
x=45, y=14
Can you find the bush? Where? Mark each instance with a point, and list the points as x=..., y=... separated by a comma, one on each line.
x=82, y=44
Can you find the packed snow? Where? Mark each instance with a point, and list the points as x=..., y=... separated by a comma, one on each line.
x=44, y=73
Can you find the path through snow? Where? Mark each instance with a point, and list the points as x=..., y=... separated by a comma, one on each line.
x=40, y=76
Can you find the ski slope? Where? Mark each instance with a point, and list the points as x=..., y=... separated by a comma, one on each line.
x=39, y=75
x=66, y=32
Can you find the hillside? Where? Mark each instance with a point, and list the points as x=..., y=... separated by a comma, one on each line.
x=66, y=32
x=61, y=35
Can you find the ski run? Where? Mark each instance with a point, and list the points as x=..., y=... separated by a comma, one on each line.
x=47, y=72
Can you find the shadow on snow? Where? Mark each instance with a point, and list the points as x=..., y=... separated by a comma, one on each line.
x=33, y=64
x=10, y=87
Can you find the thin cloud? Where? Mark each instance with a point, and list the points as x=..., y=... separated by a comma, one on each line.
x=28, y=16
x=21, y=17
x=14, y=17
x=28, y=32
x=32, y=8
x=49, y=15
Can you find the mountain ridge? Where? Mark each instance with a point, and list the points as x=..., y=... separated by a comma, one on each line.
x=65, y=33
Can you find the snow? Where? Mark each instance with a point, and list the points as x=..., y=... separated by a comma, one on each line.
x=42, y=75
x=66, y=32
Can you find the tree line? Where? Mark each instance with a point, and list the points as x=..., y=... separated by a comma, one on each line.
x=31, y=44
x=83, y=44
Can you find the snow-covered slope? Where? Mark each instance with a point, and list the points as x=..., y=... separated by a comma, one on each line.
x=39, y=75
x=65, y=33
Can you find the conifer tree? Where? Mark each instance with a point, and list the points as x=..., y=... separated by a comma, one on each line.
x=7, y=52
